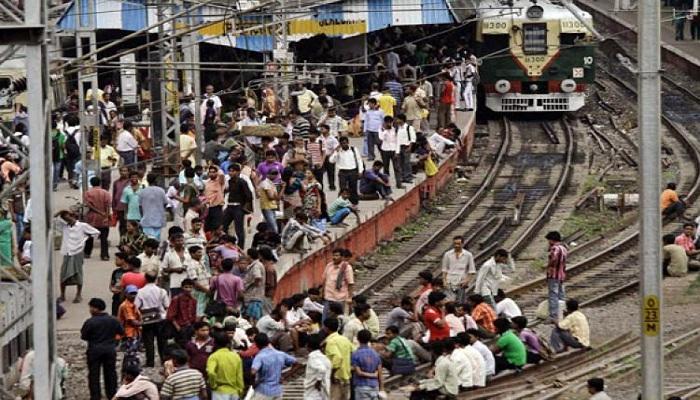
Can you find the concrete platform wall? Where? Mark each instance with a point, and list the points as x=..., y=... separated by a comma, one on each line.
x=364, y=238
x=685, y=62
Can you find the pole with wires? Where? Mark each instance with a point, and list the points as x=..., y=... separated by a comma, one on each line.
x=169, y=118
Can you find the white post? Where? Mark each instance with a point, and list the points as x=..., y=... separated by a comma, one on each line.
x=43, y=311
x=649, y=104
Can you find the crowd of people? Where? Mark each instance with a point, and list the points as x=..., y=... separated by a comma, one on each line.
x=198, y=302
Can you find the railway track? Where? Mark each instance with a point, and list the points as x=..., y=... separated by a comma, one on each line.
x=539, y=164
x=613, y=270
x=566, y=375
x=534, y=179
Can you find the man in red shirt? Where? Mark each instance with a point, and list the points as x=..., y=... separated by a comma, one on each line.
x=446, y=101
x=687, y=241
x=133, y=276
x=182, y=312
x=99, y=204
x=434, y=317
x=200, y=347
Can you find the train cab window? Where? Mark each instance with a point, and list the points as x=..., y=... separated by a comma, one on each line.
x=535, y=38
x=570, y=38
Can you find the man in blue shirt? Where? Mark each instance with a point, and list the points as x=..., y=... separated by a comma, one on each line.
x=374, y=119
x=366, y=369
x=374, y=183
x=267, y=369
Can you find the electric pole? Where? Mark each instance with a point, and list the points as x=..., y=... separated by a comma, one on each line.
x=649, y=105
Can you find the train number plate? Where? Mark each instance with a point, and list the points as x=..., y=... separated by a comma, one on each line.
x=495, y=26
x=577, y=72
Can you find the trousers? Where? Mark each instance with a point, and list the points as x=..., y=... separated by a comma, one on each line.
x=104, y=245
x=372, y=142
x=444, y=116
x=329, y=168
x=394, y=159
x=235, y=214
x=555, y=292
x=150, y=333
x=561, y=339
x=347, y=178
x=405, y=160
x=104, y=359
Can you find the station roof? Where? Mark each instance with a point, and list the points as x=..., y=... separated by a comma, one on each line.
x=332, y=18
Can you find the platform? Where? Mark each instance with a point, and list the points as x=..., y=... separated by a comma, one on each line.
x=685, y=54
x=294, y=272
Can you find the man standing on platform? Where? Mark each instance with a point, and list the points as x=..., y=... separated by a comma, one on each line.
x=98, y=203
x=99, y=331
x=75, y=235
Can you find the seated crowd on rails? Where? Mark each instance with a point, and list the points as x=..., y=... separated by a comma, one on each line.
x=220, y=335
x=680, y=252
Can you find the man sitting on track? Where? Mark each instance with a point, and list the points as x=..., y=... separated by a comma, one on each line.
x=572, y=331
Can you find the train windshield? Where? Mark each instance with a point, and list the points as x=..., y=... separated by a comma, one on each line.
x=535, y=38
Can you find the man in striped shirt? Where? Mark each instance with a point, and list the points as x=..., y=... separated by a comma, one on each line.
x=185, y=382
x=300, y=125
x=556, y=273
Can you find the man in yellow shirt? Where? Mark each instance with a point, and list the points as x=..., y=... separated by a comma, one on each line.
x=224, y=370
x=387, y=102
x=108, y=159
x=572, y=331
x=339, y=351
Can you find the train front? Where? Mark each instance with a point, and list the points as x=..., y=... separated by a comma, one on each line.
x=538, y=59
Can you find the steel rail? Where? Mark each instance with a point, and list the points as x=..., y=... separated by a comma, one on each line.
x=461, y=214
x=631, y=240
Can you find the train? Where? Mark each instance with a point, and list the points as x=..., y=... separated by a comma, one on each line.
x=535, y=56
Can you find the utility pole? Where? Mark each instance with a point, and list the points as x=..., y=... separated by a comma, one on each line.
x=192, y=83
x=649, y=111
x=281, y=54
x=34, y=35
x=168, y=106
x=85, y=38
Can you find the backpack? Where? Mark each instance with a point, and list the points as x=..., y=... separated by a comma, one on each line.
x=72, y=148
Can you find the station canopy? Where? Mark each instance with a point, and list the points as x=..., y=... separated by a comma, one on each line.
x=252, y=30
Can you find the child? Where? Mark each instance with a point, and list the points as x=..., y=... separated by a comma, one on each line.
x=114, y=282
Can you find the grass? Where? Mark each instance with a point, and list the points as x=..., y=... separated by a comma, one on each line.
x=591, y=222
x=694, y=287
x=418, y=224
x=539, y=264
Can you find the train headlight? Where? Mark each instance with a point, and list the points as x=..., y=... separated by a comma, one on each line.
x=502, y=86
x=533, y=87
x=568, y=85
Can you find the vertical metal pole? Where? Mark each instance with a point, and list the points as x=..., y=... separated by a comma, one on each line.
x=170, y=121
x=191, y=55
x=43, y=313
x=649, y=100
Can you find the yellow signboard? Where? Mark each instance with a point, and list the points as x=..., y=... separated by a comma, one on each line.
x=330, y=27
x=572, y=26
x=296, y=27
x=651, y=324
x=495, y=26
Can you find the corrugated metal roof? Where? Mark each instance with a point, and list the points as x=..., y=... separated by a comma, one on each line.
x=341, y=19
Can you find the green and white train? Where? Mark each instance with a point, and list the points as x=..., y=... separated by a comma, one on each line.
x=536, y=56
